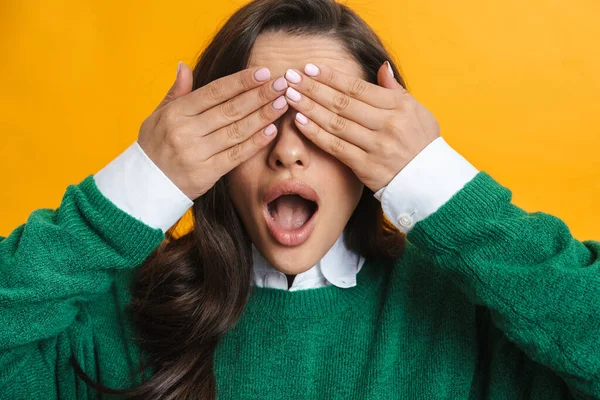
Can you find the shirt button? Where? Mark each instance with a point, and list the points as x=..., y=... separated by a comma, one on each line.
x=405, y=220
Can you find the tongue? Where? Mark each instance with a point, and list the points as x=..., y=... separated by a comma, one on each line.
x=291, y=211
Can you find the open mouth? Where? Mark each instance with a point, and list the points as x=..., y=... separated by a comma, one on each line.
x=291, y=211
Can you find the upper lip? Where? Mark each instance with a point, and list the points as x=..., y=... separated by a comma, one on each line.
x=290, y=187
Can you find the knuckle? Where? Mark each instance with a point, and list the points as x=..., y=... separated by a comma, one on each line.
x=337, y=124
x=229, y=110
x=378, y=147
x=246, y=81
x=263, y=115
x=330, y=79
x=168, y=115
x=234, y=132
x=336, y=146
x=357, y=87
x=256, y=142
x=311, y=87
x=309, y=106
x=168, y=119
x=174, y=139
x=393, y=125
x=341, y=102
x=234, y=152
x=213, y=90
x=315, y=134
x=264, y=94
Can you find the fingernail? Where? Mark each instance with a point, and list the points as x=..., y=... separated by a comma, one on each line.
x=279, y=103
x=311, y=70
x=280, y=84
x=293, y=94
x=269, y=130
x=390, y=69
x=301, y=118
x=292, y=76
x=262, y=74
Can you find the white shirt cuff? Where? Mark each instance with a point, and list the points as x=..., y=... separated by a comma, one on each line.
x=137, y=186
x=427, y=182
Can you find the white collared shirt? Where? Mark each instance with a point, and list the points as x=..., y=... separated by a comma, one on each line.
x=137, y=186
x=338, y=266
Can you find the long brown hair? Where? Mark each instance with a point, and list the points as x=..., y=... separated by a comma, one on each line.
x=192, y=289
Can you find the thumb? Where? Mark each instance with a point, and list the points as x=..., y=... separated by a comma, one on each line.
x=182, y=85
x=385, y=77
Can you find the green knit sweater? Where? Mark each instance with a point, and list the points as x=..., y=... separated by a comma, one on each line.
x=487, y=302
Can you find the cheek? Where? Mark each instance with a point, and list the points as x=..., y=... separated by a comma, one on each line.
x=344, y=186
x=242, y=187
x=354, y=190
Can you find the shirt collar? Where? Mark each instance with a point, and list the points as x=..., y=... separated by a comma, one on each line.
x=339, y=267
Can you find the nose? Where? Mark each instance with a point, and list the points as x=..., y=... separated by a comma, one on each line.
x=291, y=149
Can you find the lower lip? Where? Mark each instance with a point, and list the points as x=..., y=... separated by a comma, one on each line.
x=290, y=237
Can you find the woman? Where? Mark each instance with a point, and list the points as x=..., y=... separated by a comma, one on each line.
x=291, y=139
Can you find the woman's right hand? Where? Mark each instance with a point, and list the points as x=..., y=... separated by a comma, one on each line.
x=196, y=137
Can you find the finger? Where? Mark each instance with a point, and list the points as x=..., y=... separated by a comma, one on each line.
x=239, y=107
x=355, y=87
x=346, y=130
x=222, y=89
x=346, y=152
x=227, y=160
x=182, y=85
x=239, y=131
x=336, y=101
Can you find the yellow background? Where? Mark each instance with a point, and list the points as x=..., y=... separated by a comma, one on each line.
x=513, y=84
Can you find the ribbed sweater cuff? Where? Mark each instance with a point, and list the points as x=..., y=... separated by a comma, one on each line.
x=127, y=235
x=480, y=199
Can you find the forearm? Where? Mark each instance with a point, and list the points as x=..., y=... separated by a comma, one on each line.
x=59, y=257
x=540, y=284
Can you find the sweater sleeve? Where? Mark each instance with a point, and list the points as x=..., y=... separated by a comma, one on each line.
x=61, y=258
x=541, y=285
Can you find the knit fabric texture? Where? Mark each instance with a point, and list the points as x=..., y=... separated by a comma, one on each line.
x=488, y=301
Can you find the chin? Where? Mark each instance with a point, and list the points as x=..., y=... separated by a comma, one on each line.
x=292, y=261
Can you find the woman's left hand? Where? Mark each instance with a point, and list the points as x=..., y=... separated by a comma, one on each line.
x=376, y=130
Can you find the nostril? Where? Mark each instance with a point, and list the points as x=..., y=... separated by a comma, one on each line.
x=299, y=162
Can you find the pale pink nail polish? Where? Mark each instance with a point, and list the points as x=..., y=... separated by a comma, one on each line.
x=293, y=76
x=391, y=71
x=279, y=103
x=280, y=84
x=311, y=70
x=262, y=74
x=301, y=118
x=292, y=94
x=269, y=130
